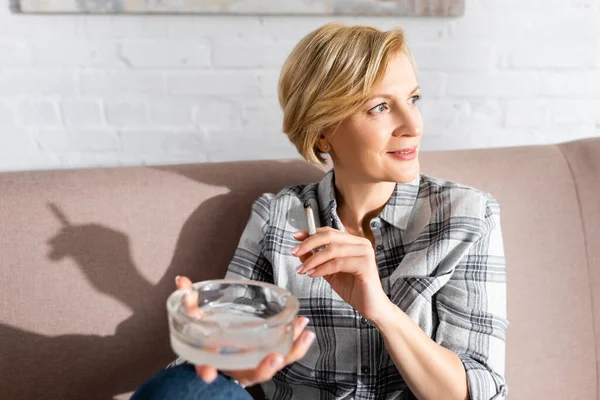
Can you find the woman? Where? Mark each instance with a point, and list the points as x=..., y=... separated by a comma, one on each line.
x=408, y=299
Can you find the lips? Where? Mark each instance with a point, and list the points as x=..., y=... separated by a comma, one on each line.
x=406, y=154
x=407, y=150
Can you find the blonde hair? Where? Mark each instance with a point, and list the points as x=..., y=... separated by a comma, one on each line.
x=331, y=73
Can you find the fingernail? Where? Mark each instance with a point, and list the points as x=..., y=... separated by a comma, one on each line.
x=277, y=362
x=309, y=337
x=305, y=322
x=309, y=273
x=295, y=249
x=177, y=280
x=299, y=268
x=296, y=234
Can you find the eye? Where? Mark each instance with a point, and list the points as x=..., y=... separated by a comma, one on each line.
x=414, y=99
x=379, y=108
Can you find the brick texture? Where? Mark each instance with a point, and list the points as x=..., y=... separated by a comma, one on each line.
x=105, y=90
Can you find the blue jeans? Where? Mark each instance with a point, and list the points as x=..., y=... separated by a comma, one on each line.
x=182, y=383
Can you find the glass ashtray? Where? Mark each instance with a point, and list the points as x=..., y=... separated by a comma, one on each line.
x=239, y=323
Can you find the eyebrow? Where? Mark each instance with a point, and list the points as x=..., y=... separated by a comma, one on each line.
x=389, y=96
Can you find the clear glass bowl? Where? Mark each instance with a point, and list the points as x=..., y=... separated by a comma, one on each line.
x=241, y=322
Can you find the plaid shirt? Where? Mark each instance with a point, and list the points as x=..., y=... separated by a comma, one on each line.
x=439, y=250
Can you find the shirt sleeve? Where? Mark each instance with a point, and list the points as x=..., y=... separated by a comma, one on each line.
x=471, y=310
x=249, y=261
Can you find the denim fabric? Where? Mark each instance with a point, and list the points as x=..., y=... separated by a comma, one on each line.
x=182, y=383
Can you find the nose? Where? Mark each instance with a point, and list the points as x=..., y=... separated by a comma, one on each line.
x=407, y=122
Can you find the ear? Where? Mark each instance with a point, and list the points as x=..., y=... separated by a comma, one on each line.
x=323, y=144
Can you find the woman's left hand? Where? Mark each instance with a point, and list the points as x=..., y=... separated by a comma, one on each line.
x=347, y=263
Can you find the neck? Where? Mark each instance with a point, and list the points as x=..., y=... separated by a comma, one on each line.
x=360, y=201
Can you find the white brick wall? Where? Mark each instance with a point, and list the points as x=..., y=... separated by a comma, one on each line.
x=92, y=90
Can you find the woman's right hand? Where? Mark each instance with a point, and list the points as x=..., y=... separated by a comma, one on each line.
x=269, y=365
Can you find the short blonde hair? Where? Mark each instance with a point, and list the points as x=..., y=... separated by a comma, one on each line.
x=331, y=73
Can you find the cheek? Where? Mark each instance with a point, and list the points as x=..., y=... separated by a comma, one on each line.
x=362, y=139
x=376, y=135
x=373, y=132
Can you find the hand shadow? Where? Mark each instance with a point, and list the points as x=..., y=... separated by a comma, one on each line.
x=101, y=367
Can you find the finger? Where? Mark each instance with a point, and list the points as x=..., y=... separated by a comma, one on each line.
x=183, y=282
x=249, y=377
x=350, y=265
x=332, y=252
x=299, y=325
x=305, y=257
x=208, y=374
x=325, y=238
x=263, y=372
x=300, y=347
x=300, y=235
x=190, y=298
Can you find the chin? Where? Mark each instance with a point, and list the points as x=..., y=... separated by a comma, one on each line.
x=408, y=173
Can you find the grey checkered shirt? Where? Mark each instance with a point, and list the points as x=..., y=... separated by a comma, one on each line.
x=439, y=250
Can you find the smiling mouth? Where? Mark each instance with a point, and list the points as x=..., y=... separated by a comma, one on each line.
x=404, y=151
x=404, y=154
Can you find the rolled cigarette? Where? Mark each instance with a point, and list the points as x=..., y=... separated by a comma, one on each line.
x=310, y=219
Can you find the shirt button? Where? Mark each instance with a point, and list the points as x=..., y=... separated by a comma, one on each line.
x=379, y=247
x=364, y=370
x=375, y=224
x=363, y=321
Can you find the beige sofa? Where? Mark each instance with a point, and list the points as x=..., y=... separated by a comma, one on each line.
x=88, y=257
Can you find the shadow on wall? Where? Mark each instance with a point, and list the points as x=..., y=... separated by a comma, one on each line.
x=102, y=367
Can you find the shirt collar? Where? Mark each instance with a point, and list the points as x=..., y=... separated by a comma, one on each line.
x=396, y=211
x=399, y=206
x=327, y=202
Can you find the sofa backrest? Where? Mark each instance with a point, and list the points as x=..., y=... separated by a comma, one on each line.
x=88, y=257
x=550, y=212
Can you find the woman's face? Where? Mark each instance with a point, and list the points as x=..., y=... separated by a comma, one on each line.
x=380, y=142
